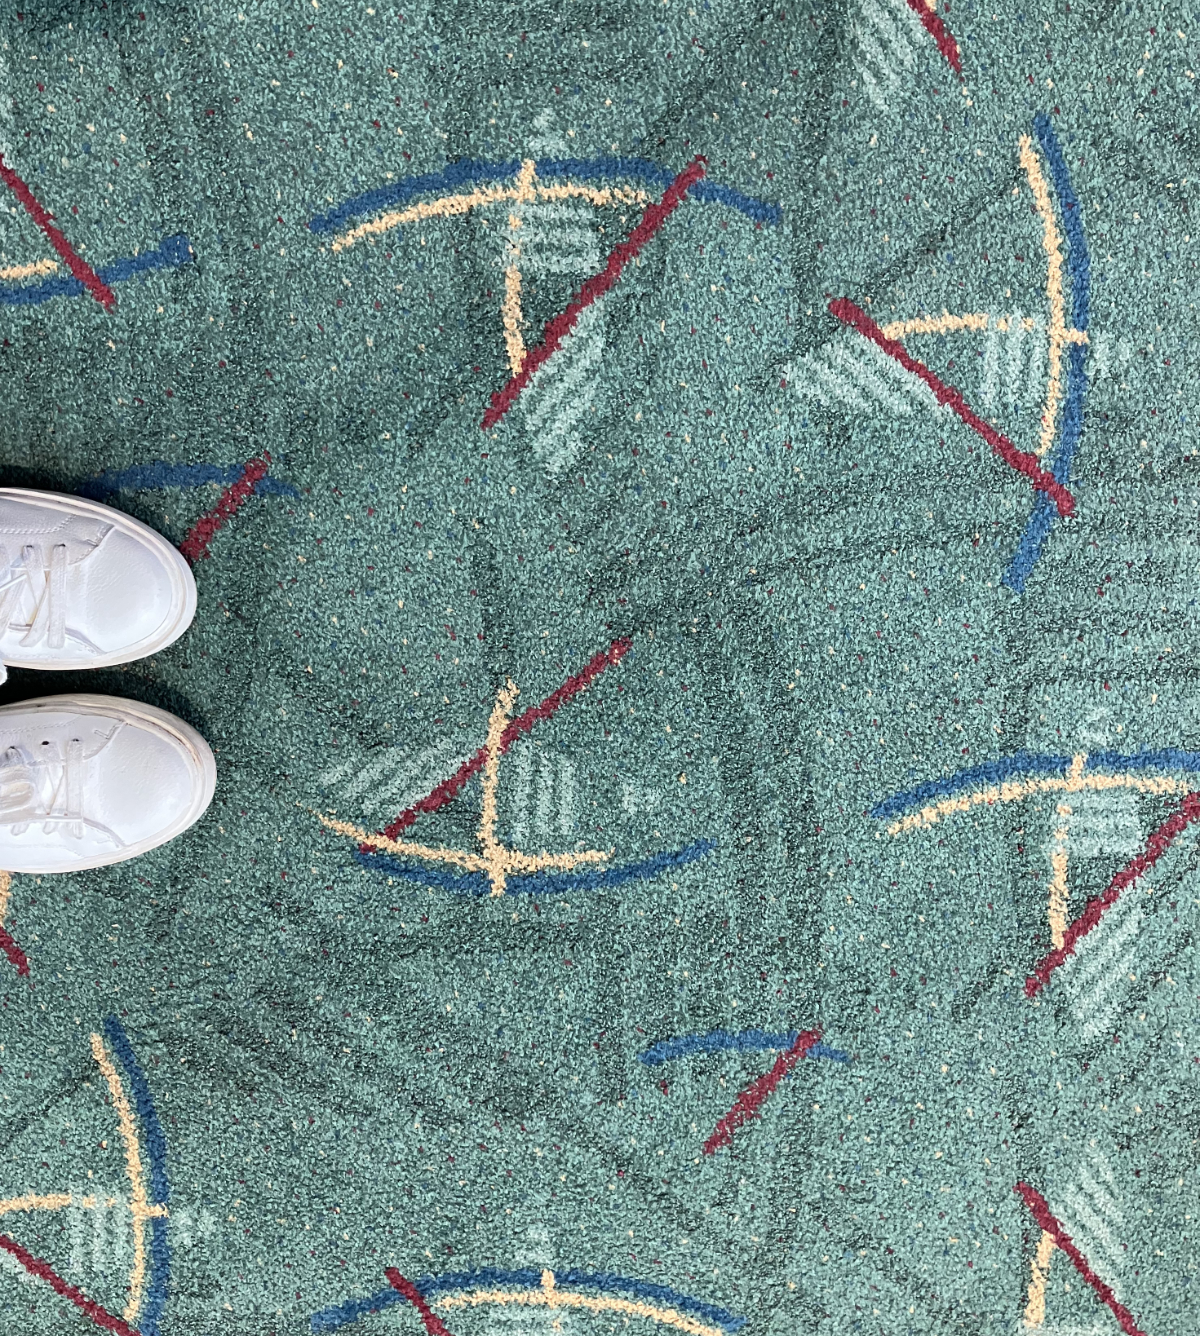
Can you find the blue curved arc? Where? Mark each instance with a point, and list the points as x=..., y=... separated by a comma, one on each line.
x=157, y=476
x=741, y=1041
x=160, y=1184
x=477, y=885
x=607, y=1282
x=587, y=169
x=1044, y=514
x=1029, y=763
x=171, y=253
x=1021, y=763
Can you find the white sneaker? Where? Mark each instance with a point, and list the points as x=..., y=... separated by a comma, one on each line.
x=84, y=586
x=91, y=780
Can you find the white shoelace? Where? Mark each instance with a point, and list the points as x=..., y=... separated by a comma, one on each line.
x=43, y=578
x=46, y=584
x=44, y=785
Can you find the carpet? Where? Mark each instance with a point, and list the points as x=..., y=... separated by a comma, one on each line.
x=695, y=526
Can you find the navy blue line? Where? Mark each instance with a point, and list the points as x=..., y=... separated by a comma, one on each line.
x=716, y=1041
x=990, y=772
x=400, y=192
x=1078, y=260
x=1029, y=763
x=341, y=1315
x=599, y=880
x=275, y=487
x=758, y=210
x=742, y=1041
x=605, y=168
x=160, y=1184
x=171, y=253
x=587, y=169
x=1165, y=758
x=824, y=1051
x=463, y=883
x=538, y=883
x=1033, y=540
x=156, y=477
x=153, y=477
x=1044, y=515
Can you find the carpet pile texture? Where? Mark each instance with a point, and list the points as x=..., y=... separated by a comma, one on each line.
x=694, y=507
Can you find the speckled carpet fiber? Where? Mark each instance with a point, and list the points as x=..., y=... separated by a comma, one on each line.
x=695, y=515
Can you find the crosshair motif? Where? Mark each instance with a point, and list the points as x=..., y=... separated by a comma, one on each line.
x=1029, y=775
x=533, y=874
x=495, y=860
x=149, y=1196
x=791, y=1047
x=892, y=377
x=550, y=185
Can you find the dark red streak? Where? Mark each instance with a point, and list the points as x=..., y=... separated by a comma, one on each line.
x=44, y=1271
x=521, y=724
x=594, y=288
x=433, y=1324
x=14, y=953
x=1156, y=846
x=67, y=253
x=748, y=1103
x=195, y=546
x=1021, y=460
x=934, y=26
x=1043, y=1215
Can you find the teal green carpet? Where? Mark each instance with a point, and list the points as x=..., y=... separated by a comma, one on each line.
x=796, y=407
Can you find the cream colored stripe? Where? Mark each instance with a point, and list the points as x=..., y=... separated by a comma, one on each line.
x=552, y=1297
x=1056, y=328
x=58, y=1201
x=1039, y=1266
x=519, y=862
x=1007, y=793
x=36, y=269
x=33, y=1201
x=451, y=206
x=458, y=857
x=510, y=311
x=133, y=1164
x=1056, y=911
x=936, y=324
x=493, y=851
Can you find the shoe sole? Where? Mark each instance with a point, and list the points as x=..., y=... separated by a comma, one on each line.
x=146, y=717
x=172, y=559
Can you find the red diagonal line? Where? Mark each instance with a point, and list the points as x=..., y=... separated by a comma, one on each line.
x=14, y=953
x=70, y=257
x=748, y=1103
x=433, y=1324
x=1021, y=460
x=44, y=1271
x=942, y=35
x=446, y=790
x=594, y=288
x=195, y=545
x=1156, y=846
x=1053, y=1226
